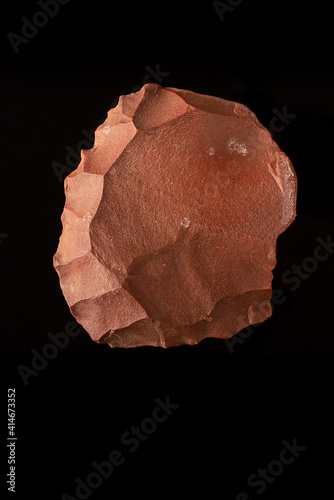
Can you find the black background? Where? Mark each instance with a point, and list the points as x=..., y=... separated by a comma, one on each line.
x=235, y=409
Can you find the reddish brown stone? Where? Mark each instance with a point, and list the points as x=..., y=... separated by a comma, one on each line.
x=171, y=221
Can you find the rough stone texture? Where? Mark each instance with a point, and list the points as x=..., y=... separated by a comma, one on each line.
x=171, y=221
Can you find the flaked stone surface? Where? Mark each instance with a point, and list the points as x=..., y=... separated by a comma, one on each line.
x=171, y=221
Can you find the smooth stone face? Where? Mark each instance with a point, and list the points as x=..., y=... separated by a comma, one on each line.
x=171, y=221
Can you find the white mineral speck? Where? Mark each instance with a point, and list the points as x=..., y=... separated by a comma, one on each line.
x=236, y=147
x=106, y=129
x=185, y=222
x=88, y=216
